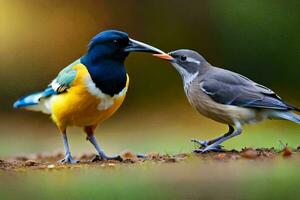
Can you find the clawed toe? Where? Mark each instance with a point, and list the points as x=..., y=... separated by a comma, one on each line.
x=141, y=155
x=199, y=151
x=69, y=160
x=103, y=158
x=211, y=148
x=118, y=158
x=97, y=158
x=200, y=142
x=205, y=144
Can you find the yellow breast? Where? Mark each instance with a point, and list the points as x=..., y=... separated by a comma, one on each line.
x=84, y=104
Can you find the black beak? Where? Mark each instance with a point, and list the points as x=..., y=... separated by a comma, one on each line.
x=137, y=46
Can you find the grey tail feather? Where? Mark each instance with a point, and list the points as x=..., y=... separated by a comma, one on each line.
x=287, y=115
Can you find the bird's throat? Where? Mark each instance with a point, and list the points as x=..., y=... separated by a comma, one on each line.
x=108, y=75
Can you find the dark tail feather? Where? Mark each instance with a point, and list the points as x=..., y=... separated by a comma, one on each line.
x=297, y=109
x=293, y=107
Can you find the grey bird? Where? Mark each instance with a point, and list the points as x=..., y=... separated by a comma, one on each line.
x=226, y=96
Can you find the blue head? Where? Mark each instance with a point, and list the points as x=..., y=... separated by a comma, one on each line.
x=105, y=58
x=114, y=45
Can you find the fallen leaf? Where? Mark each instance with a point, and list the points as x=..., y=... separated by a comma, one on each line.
x=249, y=153
x=286, y=152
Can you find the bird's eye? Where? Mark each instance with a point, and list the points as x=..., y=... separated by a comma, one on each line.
x=183, y=58
x=115, y=41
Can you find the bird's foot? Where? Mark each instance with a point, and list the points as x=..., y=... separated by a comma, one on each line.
x=201, y=143
x=68, y=160
x=204, y=144
x=105, y=158
x=140, y=155
x=210, y=148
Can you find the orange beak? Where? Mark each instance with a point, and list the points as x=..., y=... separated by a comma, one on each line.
x=164, y=56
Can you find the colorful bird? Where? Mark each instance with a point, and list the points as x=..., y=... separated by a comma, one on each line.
x=89, y=90
x=225, y=96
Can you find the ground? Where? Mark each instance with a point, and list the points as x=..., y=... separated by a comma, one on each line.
x=30, y=147
x=51, y=161
x=247, y=174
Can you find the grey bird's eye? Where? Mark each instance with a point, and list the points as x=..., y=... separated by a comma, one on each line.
x=115, y=41
x=183, y=58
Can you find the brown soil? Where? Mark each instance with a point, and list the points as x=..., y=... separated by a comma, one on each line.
x=49, y=162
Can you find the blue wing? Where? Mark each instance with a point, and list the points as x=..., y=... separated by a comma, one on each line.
x=59, y=85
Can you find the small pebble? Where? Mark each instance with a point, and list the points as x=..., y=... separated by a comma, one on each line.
x=220, y=156
x=51, y=166
x=127, y=155
x=153, y=156
x=249, y=153
x=29, y=163
x=171, y=160
x=235, y=157
x=111, y=164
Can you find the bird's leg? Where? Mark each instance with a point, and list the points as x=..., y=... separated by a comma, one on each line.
x=68, y=158
x=206, y=143
x=101, y=154
x=214, y=146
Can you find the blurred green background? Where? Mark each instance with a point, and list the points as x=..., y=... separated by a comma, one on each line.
x=257, y=38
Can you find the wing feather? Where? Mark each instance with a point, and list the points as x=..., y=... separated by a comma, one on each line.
x=65, y=78
x=230, y=88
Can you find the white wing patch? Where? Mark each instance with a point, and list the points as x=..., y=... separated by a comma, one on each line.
x=55, y=85
x=106, y=101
